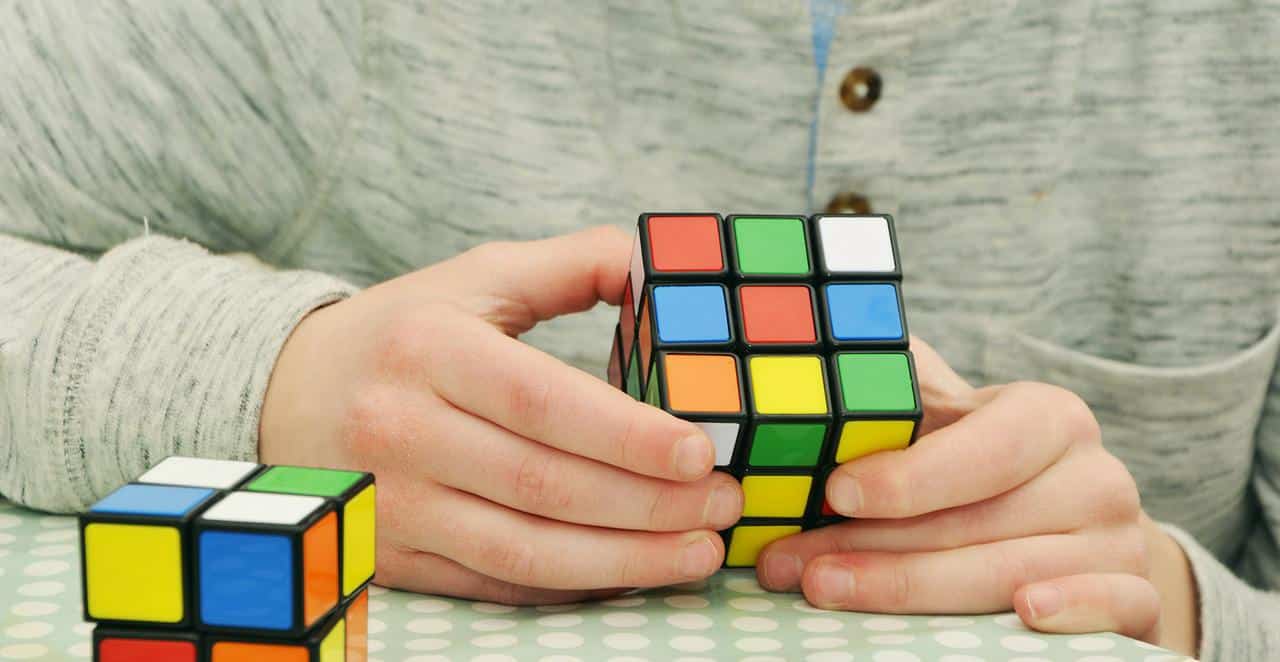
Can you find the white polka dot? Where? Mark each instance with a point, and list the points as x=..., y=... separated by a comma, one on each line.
x=1162, y=658
x=492, y=608
x=42, y=589
x=961, y=658
x=895, y=656
x=751, y=604
x=624, y=619
x=428, y=606
x=690, y=621
x=1023, y=644
x=825, y=642
x=762, y=658
x=758, y=644
x=425, y=658
x=82, y=649
x=692, y=644
x=829, y=656
x=626, y=601
x=376, y=626
x=495, y=641
x=82, y=629
x=493, y=657
x=428, y=626
x=30, y=630
x=1028, y=659
x=1143, y=644
x=45, y=568
x=1010, y=621
x=743, y=585
x=377, y=590
x=755, y=624
x=560, y=620
x=560, y=640
x=686, y=601
x=885, y=624
x=820, y=625
x=958, y=639
x=804, y=606
x=627, y=658
x=34, y=609
x=427, y=644
x=493, y=625
x=950, y=622
x=57, y=522
x=1099, y=658
x=686, y=658
x=1091, y=644
x=559, y=658
x=8, y=521
x=557, y=609
x=57, y=536
x=891, y=639
x=376, y=606
x=375, y=645
x=23, y=652
x=626, y=641
x=54, y=550
x=6, y=538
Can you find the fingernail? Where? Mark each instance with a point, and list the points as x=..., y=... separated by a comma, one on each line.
x=833, y=585
x=1044, y=601
x=781, y=571
x=698, y=559
x=693, y=456
x=844, y=493
x=724, y=507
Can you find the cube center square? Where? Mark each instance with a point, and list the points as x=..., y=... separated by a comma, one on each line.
x=783, y=338
x=787, y=385
x=770, y=245
x=679, y=243
x=691, y=314
x=777, y=314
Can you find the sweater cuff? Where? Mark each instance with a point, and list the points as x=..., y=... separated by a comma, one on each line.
x=168, y=352
x=1237, y=622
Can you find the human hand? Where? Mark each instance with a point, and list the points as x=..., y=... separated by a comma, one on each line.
x=503, y=474
x=1007, y=499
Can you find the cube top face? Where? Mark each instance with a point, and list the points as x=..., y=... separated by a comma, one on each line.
x=770, y=246
x=857, y=245
x=685, y=243
x=306, y=481
x=691, y=314
x=263, y=508
x=152, y=501
x=199, y=472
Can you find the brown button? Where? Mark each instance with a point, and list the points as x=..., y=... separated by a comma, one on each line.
x=849, y=203
x=860, y=89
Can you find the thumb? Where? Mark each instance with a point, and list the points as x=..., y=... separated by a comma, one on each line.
x=1125, y=604
x=515, y=285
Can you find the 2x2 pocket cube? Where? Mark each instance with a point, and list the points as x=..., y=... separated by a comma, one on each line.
x=784, y=338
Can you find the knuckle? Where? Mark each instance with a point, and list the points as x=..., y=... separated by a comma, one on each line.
x=891, y=492
x=900, y=588
x=1117, y=492
x=537, y=484
x=512, y=560
x=404, y=345
x=366, y=430
x=529, y=401
x=1008, y=571
x=659, y=517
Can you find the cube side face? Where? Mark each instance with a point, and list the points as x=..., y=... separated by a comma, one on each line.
x=247, y=651
x=144, y=647
x=135, y=573
x=333, y=648
x=320, y=558
x=359, y=533
x=357, y=622
x=199, y=472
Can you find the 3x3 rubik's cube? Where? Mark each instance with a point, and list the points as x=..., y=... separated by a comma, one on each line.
x=221, y=561
x=784, y=339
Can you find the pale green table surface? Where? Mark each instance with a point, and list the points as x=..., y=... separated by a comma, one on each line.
x=727, y=617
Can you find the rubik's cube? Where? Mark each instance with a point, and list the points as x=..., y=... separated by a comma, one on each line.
x=221, y=561
x=784, y=339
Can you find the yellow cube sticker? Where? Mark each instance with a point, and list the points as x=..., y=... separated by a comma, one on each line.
x=788, y=384
x=358, y=532
x=334, y=646
x=746, y=542
x=775, y=496
x=859, y=438
x=133, y=572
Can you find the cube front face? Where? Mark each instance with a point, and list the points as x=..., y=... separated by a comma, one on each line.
x=121, y=645
x=784, y=339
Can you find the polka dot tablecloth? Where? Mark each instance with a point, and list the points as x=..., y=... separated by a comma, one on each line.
x=726, y=617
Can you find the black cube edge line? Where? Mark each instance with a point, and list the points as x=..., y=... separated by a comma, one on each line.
x=824, y=274
x=183, y=523
x=295, y=533
x=738, y=276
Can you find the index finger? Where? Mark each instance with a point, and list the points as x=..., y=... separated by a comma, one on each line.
x=537, y=396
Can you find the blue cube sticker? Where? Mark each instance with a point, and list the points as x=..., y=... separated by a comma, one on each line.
x=691, y=313
x=864, y=311
x=246, y=580
x=152, y=500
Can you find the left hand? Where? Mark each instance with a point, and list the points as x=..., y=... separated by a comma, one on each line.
x=1007, y=499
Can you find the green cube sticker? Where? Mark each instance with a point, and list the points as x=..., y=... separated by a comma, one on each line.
x=633, y=375
x=305, y=480
x=654, y=396
x=787, y=444
x=771, y=246
x=876, y=382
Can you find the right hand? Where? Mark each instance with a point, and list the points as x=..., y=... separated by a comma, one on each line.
x=503, y=474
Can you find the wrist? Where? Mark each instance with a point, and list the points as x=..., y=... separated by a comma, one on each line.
x=1171, y=573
